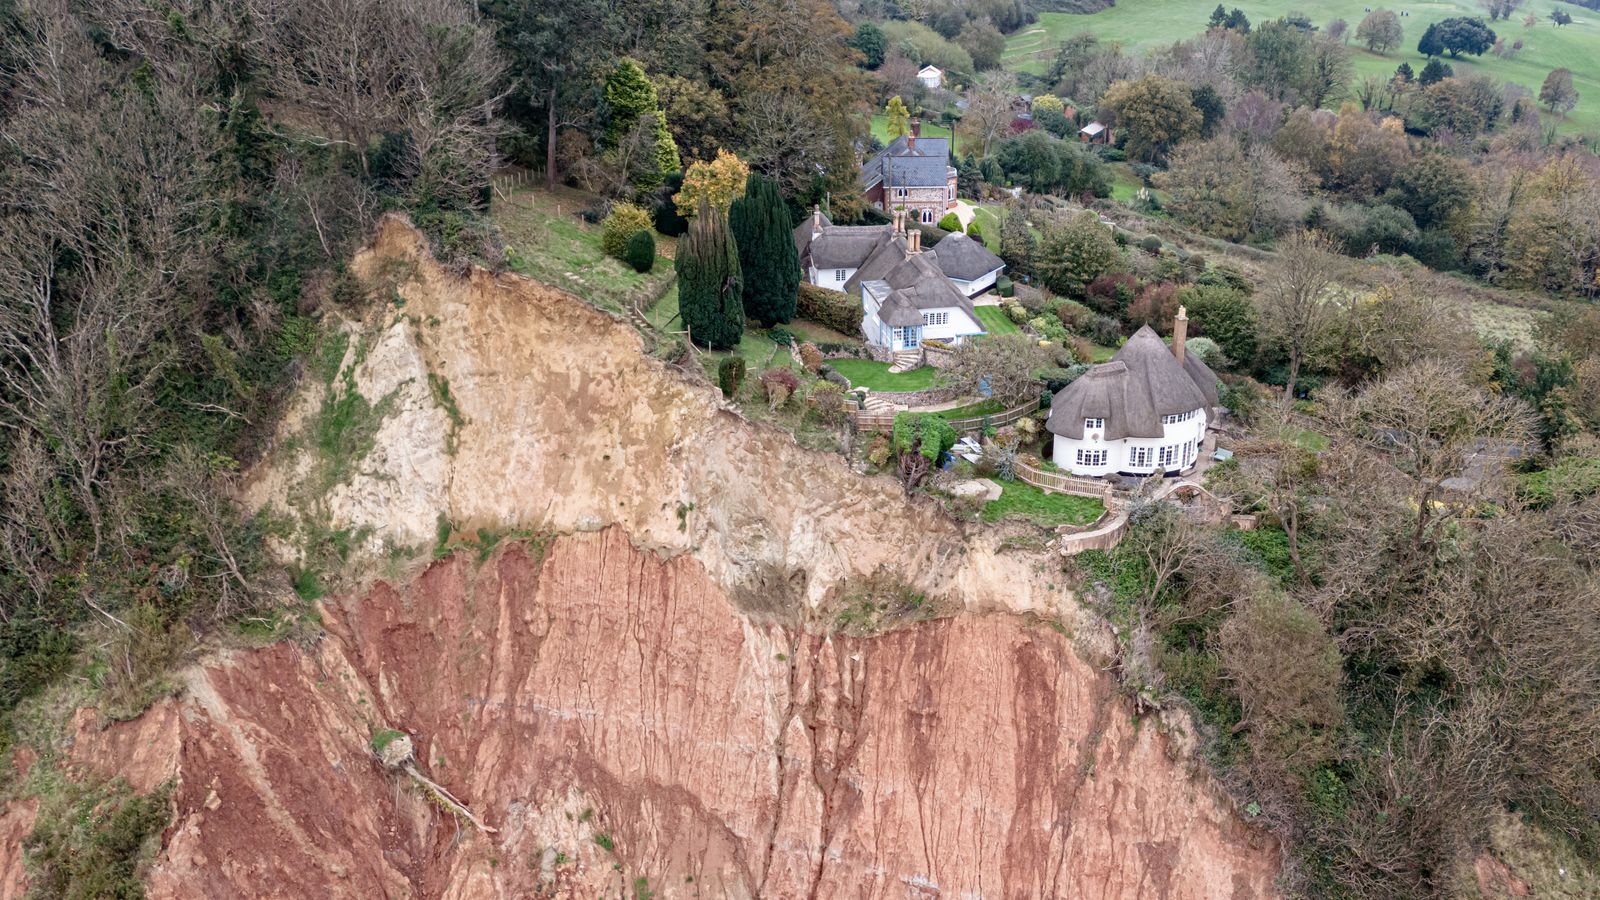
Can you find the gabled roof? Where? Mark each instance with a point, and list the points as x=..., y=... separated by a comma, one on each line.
x=924, y=162
x=1142, y=383
x=962, y=257
x=802, y=237
x=846, y=246
x=930, y=67
x=916, y=284
x=891, y=250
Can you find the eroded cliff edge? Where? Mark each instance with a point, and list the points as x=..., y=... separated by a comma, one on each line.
x=651, y=695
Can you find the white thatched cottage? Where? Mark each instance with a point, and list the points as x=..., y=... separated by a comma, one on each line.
x=1144, y=412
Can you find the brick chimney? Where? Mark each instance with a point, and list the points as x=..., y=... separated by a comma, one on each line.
x=916, y=128
x=816, y=220
x=1180, y=331
x=913, y=241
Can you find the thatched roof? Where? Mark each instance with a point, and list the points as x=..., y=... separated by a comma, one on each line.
x=916, y=284
x=962, y=257
x=846, y=246
x=802, y=236
x=1142, y=383
x=890, y=252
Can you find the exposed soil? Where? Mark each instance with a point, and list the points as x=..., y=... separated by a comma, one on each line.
x=653, y=695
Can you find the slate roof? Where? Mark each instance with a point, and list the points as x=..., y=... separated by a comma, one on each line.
x=917, y=284
x=926, y=163
x=964, y=258
x=846, y=246
x=1142, y=383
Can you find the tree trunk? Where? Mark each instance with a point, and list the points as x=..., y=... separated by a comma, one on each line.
x=1288, y=386
x=550, y=143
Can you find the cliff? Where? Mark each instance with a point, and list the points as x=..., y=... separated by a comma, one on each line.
x=647, y=696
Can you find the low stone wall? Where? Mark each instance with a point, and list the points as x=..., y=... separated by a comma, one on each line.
x=937, y=357
x=915, y=399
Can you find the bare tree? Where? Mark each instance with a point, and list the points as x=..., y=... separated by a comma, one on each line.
x=1004, y=364
x=1294, y=304
x=1426, y=418
x=988, y=111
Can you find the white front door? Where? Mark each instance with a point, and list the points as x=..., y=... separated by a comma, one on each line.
x=907, y=337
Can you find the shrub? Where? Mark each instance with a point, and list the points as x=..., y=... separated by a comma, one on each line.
x=1228, y=277
x=1150, y=244
x=619, y=227
x=811, y=357
x=1082, y=350
x=1056, y=379
x=926, y=434
x=780, y=383
x=1051, y=329
x=641, y=251
x=1112, y=292
x=1105, y=331
x=878, y=451
x=1075, y=315
x=88, y=839
x=1016, y=312
x=950, y=222
x=836, y=310
x=974, y=232
x=781, y=336
x=1004, y=287
x=595, y=212
x=1205, y=348
x=730, y=374
x=827, y=400
x=1155, y=306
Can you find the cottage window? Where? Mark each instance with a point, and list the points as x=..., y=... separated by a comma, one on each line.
x=1094, y=424
x=1169, y=455
x=899, y=192
x=936, y=318
x=838, y=275
x=1091, y=457
x=1139, y=458
x=951, y=193
x=927, y=217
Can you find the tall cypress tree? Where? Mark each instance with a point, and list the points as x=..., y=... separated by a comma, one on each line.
x=771, y=266
x=710, y=293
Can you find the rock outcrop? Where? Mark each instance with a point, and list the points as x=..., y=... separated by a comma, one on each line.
x=652, y=700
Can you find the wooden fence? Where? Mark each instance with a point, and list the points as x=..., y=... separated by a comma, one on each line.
x=884, y=421
x=1062, y=483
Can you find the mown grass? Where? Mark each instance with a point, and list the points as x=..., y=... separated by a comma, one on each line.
x=987, y=407
x=880, y=128
x=876, y=375
x=1141, y=25
x=1022, y=500
x=995, y=321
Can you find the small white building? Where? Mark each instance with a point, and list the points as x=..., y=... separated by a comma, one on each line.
x=1144, y=412
x=931, y=76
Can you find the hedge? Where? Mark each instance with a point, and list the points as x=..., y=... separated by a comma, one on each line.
x=837, y=310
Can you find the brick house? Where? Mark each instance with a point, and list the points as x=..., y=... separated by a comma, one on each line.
x=912, y=173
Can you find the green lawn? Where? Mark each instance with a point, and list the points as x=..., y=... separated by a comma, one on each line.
x=816, y=333
x=1023, y=500
x=880, y=128
x=876, y=376
x=547, y=241
x=973, y=410
x=988, y=218
x=1140, y=25
x=995, y=321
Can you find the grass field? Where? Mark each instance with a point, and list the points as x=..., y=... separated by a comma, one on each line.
x=994, y=320
x=988, y=217
x=1140, y=25
x=876, y=375
x=1023, y=500
x=546, y=240
x=880, y=128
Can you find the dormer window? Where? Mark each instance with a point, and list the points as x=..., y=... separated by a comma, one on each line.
x=1094, y=424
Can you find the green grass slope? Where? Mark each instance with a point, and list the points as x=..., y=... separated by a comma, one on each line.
x=1140, y=25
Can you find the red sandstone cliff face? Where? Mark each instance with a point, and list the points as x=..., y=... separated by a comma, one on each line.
x=605, y=692
x=665, y=714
